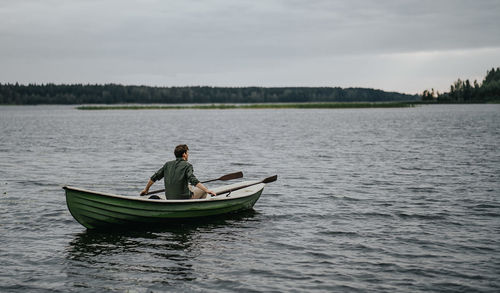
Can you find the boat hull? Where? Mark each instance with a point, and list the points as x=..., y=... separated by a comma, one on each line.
x=97, y=210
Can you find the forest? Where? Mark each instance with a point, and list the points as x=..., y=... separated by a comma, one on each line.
x=466, y=92
x=461, y=91
x=34, y=94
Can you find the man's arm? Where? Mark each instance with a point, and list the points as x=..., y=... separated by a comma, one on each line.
x=202, y=187
x=156, y=176
x=146, y=190
x=195, y=182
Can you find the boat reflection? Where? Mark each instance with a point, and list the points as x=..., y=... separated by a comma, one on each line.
x=163, y=253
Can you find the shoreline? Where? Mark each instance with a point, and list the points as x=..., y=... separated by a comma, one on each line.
x=335, y=105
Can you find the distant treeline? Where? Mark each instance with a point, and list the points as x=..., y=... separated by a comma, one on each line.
x=465, y=92
x=116, y=94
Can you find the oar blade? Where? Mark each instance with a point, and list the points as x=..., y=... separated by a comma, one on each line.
x=231, y=176
x=270, y=179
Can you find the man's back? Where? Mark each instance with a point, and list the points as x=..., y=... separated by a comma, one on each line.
x=176, y=175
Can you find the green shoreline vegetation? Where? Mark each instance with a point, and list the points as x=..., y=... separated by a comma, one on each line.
x=254, y=106
x=466, y=92
x=116, y=96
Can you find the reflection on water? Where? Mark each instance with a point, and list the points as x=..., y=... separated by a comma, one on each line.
x=167, y=254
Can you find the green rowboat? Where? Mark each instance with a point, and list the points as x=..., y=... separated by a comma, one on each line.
x=99, y=210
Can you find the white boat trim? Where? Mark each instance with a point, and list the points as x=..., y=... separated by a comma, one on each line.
x=244, y=192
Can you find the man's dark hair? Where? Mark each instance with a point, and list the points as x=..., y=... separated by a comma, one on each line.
x=180, y=150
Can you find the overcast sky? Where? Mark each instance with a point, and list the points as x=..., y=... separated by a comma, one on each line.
x=396, y=45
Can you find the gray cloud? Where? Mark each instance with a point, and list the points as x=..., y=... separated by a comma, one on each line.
x=237, y=43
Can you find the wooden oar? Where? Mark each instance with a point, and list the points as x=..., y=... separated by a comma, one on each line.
x=223, y=178
x=267, y=180
x=227, y=177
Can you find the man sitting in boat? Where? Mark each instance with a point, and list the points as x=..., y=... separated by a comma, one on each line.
x=176, y=175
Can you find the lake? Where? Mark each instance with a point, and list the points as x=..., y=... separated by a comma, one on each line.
x=367, y=200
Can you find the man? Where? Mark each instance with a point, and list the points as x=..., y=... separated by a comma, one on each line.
x=176, y=175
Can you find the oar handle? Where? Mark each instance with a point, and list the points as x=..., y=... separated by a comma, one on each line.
x=153, y=192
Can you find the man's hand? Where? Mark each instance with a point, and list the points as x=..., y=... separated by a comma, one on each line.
x=211, y=192
x=144, y=192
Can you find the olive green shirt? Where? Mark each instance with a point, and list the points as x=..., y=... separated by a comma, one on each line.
x=176, y=175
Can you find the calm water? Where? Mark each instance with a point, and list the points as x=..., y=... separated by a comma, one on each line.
x=367, y=200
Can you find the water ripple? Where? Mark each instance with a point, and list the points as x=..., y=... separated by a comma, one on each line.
x=387, y=200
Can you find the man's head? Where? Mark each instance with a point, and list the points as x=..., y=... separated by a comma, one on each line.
x=181, y=151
